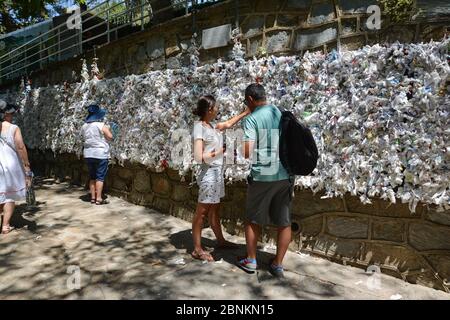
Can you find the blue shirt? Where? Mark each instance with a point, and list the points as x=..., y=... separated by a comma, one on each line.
x=263, y=127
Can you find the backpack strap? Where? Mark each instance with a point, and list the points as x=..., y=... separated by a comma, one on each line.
x=281, y=109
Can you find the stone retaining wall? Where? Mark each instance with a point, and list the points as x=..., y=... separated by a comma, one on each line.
x=279, y=27
x=414, y=247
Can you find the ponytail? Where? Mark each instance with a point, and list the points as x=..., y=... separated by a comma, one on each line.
x=204, y=104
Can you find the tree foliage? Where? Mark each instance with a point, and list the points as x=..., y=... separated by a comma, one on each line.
x=398, y=10
x=16, y=14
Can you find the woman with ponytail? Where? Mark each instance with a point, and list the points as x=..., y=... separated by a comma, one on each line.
x=209, y=152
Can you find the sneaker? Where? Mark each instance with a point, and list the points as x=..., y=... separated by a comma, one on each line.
x=276, y=270
x=247, y=264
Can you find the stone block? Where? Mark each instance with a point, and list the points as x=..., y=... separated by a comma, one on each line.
x=287, y=20
x=226, y=211
x=310, y=227
x=160, y=184
x=382, y=208
x=125, y=173
x=141, y=182
x=394, y=257
x=348, y=227
x=173, y=63
x=162, y=204
x=173, y=174
x=278, y=41
x=119, y=184
x=194, y=192
x=321, y=13
x=298, y=4
x=137, y=198
x=423, y=236
x=155, y=47
x=183, y=213
x=141, y=55
x=441, y=263
x=172, y=50
x=255, y=45
x=306, y=204
x=388, y=230
x=333, y=247
x=181, y=193
x=442, y=217
x=267, y=6
x=307, y=39
x=253, y=26
x=355, y=6
x=425, y=278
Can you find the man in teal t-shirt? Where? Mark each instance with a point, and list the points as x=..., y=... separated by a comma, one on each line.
x=262, y=125
x=269, y=193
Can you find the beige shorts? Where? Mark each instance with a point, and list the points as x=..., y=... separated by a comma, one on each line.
x=211, y=185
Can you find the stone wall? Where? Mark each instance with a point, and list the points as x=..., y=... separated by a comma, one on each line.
x=414, y=247
x=276, y=27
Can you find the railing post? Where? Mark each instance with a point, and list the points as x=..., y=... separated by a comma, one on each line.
x=40, y=54
x=81, y=35
x=236, y=2
x=194, y=13
x=187, y=7
x=107, y=22
x=59, y=43
x=142, y=14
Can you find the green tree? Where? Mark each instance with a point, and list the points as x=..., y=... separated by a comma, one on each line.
x=398, y=10
x=16, y=14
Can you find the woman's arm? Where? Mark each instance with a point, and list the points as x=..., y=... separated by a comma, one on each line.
x=22, y=149
x=107, y=133
x=200, y=156
x=231, y=122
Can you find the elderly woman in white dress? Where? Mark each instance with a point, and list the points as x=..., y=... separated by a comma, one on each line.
x=15, y=171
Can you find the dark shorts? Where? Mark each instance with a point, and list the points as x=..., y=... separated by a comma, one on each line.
x=269, y=203
x=97, y=168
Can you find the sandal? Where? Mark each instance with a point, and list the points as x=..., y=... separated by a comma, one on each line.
x=7, y=229
x=202, y=256
x=93, y=201
x=102, y=202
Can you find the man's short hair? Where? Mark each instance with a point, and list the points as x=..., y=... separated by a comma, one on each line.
x=256, y=91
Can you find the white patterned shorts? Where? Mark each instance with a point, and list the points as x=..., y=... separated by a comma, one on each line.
x=211, y=185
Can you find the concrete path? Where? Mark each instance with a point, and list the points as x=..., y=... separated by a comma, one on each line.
x=123, y=251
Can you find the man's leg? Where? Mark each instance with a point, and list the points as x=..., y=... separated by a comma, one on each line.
x=284, y=239
x=252, y=233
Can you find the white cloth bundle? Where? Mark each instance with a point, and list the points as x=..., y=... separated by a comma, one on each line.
x=378, y=114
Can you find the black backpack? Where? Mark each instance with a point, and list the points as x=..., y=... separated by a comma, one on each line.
x=298, y=151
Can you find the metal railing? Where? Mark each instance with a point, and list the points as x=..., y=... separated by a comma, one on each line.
x=106, y=22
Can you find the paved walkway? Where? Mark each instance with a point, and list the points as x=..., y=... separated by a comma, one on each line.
x=123, y=251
